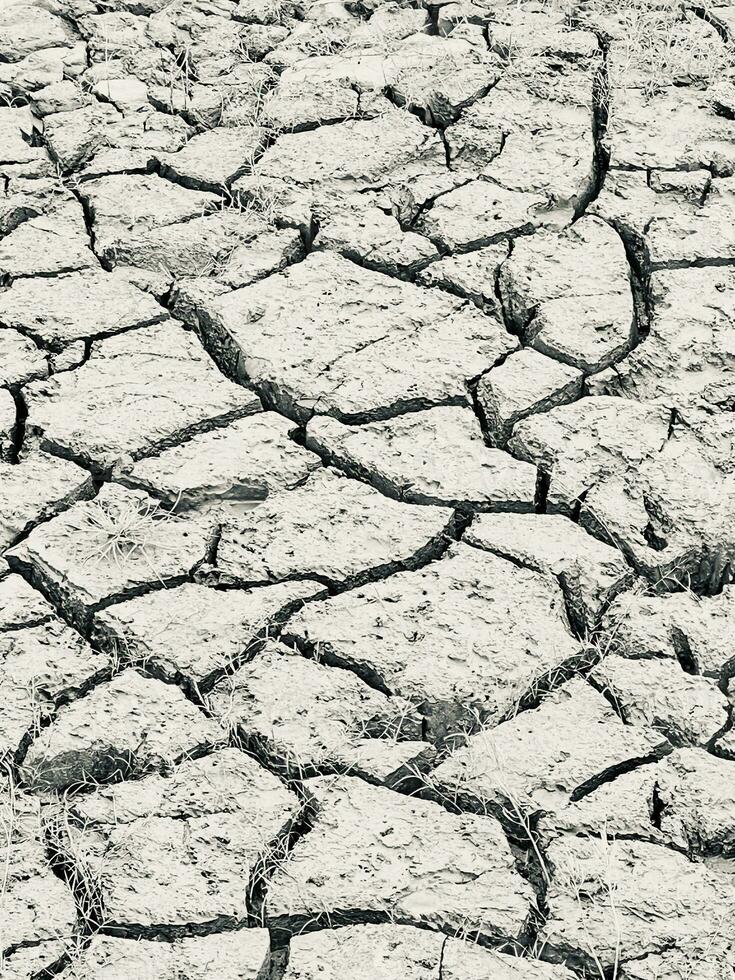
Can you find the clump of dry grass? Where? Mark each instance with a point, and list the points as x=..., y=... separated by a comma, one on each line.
x=657, y=46
x=595, y=884
x=261, y=201
x=122, y=529
x=653, y=44
x=121, y=532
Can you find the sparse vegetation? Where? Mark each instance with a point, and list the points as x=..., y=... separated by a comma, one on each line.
x=263, y=831
x=656, y=46
x=587, y=886
x=122, y=530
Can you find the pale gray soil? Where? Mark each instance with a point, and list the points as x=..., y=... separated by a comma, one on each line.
x=367, y=481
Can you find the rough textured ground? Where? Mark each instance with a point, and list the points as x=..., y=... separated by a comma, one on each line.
x=367, y=480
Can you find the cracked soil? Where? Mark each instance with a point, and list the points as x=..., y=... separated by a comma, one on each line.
x=367, y=489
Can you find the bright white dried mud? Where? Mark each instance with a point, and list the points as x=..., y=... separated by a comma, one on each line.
x=117, y=545
x=230, y=468
x=682, y=801
x=430, y=866
x=590, y=572
x=79, y=304
x=526, y=383
x=137, y=394
x=7, y=425
x=129, y=724
x=465, y=638
x=42, y=665
x=38, y=909
x=686, y=628
x=150, y=848
x=311, y=337
x=432, y=457
x=367, y=480
x=685, y=362
x=546, y=756
x=21, y=360
x=687, y=710
x=601, y=894
x=336, y=530
x=191, y=634
x=37, y=488
x=578, y=276
x=20, y=604
x=395, y=952
x=305, y=717
x=242, y=955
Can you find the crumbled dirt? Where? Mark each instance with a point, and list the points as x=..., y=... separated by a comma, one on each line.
x=367, y=481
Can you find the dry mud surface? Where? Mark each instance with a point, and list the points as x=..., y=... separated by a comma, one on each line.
x=367, y=454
